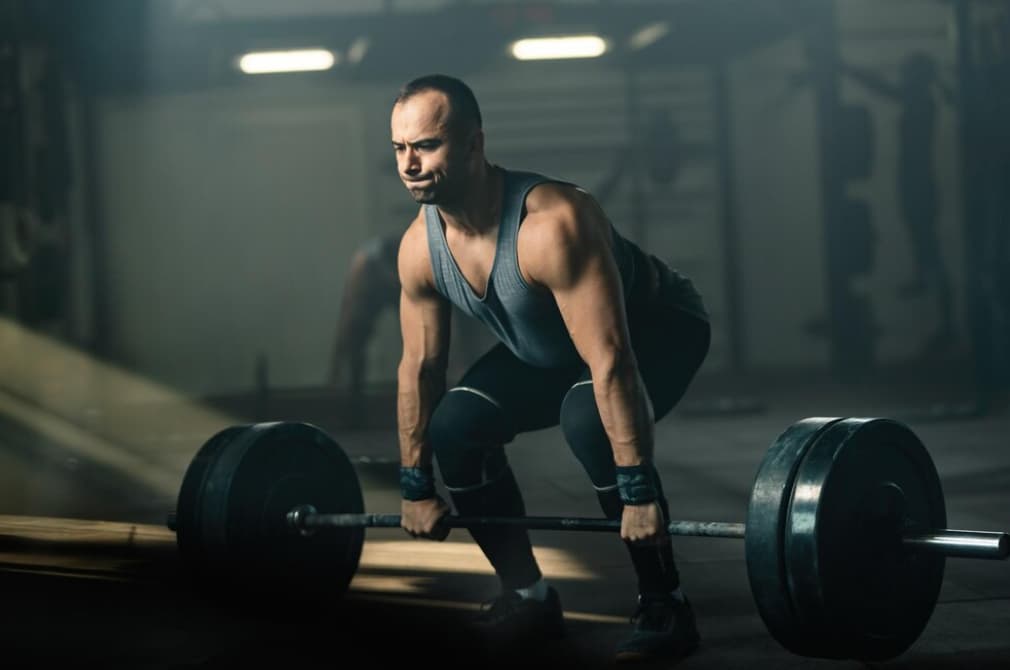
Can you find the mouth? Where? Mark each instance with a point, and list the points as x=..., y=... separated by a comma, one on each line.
x=418, y=183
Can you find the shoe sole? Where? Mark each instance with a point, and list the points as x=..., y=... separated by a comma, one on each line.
x=641, y=656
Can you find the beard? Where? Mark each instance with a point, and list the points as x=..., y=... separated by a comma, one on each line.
x=425, y=196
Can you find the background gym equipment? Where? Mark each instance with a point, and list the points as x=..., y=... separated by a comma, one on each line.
x=845, y=535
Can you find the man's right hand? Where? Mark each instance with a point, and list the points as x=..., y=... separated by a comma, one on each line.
x=422, y=518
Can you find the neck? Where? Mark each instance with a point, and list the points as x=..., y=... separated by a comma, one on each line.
x=477, y=211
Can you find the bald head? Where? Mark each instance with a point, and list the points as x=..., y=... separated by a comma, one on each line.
x=458, y=108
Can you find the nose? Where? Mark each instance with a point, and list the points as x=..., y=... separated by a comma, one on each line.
x=411, y=163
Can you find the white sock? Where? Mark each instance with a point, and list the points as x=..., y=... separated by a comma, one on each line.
x=537, y=590
x=677, y=594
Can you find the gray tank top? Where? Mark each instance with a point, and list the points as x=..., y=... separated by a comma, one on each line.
x=524, y=317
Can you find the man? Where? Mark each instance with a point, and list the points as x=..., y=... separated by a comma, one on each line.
x=595, y=335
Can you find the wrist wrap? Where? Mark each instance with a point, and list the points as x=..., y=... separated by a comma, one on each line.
x=637, y=484
x=417, y=483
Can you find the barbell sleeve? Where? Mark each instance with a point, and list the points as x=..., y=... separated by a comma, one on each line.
x=960, y=543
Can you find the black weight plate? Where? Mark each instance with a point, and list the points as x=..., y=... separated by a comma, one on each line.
x=257, y=479
x=188, y=524
x=765, y=528
x=857, y=591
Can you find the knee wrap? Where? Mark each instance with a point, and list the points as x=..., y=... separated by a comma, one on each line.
x=586, y=437
x=467, y=431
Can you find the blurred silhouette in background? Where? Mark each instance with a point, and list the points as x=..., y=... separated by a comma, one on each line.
x=660, y=150
x=917, y=188
x=371, y=286
x=371, y=289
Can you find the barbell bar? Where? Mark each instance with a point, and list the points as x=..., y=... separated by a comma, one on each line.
x=977, y=544
x=845, y=535
x=306, y=519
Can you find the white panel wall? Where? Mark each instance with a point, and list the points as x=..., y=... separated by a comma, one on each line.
x=230, y=218
x=778, y=210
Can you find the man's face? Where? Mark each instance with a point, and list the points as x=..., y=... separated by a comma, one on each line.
x=432, y=161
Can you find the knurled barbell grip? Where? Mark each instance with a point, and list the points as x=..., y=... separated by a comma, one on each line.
x=307, y=520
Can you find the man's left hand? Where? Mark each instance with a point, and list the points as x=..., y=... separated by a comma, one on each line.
x=643, y=524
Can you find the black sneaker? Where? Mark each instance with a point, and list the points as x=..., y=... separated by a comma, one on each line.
x=511, y=618
x=664, y=628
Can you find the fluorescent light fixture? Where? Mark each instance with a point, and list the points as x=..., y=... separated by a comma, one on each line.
x=298, y=60
x=649, y=34
x=550, y=48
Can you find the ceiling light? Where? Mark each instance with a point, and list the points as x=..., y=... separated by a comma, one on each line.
x=549, y=48
x=298, y=60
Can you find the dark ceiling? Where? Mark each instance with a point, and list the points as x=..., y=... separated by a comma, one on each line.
x=119, y=45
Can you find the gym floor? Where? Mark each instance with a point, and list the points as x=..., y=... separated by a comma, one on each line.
x=90, y=575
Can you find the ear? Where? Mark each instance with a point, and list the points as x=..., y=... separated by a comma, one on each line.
x=477, y=142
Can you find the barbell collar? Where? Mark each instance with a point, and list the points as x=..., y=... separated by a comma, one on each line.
x=960, y=543
x=305, y=521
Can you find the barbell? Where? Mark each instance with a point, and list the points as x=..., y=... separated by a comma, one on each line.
x=845, y=535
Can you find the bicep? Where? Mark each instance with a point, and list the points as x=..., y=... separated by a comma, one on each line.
x=583, y=277
x=424, y=313
x=592, y=307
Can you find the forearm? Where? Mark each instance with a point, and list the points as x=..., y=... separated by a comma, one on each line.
x=625, y=410
x=419, y=387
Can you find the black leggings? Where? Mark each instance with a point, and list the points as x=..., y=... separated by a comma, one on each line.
x=500, y=396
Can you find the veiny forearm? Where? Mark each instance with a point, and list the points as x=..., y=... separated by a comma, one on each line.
x=625, y=410
x=420, y=386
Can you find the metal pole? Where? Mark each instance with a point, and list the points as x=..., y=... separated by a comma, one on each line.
x=730, y=232
x=306, y=520
x=960, y=543
x=951, y=543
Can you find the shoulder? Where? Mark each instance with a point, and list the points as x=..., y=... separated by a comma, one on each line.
x=563, y=229
x=556, y=199
x=413, y=260
x=561, y=215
